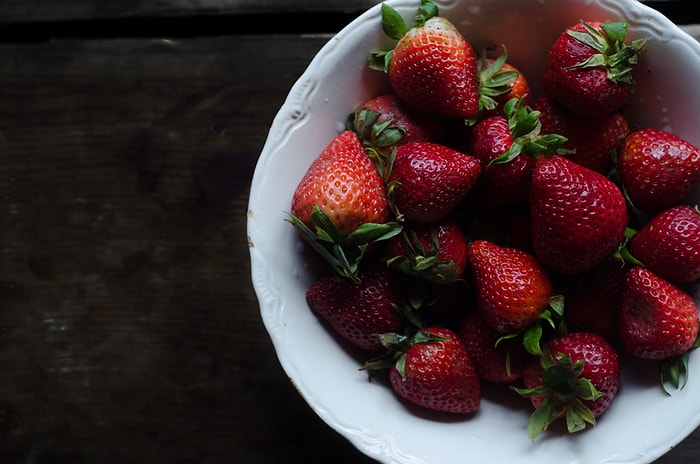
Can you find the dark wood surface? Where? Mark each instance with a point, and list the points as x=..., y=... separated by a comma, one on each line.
x=129, y=330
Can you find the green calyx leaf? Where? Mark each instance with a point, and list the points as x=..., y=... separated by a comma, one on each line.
x=396, y=346
x=525, y=129
x=622, y=253
x=393, y=23
x=421, y=262
x=372, y=132
x=378, y=60
x=493, y=81
x=343, y=253
x=563, y=391
x=541, y=418
x=531, y=339
x=507, y=341
x=550, y=319
x=616, y=56
x=426, y=10
x=674, y=371
x=577, y=416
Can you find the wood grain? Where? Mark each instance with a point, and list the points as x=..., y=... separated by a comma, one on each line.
x=130, y=329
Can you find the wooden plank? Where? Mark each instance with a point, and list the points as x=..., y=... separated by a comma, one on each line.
x=47, y=10
x=12, y=11
x=130, y=331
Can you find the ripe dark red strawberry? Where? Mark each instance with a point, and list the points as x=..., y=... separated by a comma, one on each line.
x=432, y=66
x=578, y=216
x=669, y=244
x=657, y=320
x=434, y=251
x=589, y=68
x=658, y=169
x=385, y=121
x=343, y=196
x=359, y=312
x=592, y=305
x=502, y=362
x=506, y=146
x=432, y=369
x=428, y=180
x=512, y=287
x=592, y=140
x=577, y=377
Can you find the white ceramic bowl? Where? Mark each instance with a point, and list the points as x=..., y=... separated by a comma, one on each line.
x=641, y=425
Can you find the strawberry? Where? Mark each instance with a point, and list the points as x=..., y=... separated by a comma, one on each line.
x=506, y=146
x=432, y=67
x=431, y=369
x=669, y=244
x=385, y=121
x=578, y=216
x=512, y=287
x=345, y=184
x=341, y=205
x=428, y=180
x=591, y=140
x=577, y=377
x=359, y=312
x=589, y=68
x=658, y=169
x=657, y=320
x=500, y=81
x=495, y=360
x=434, y=251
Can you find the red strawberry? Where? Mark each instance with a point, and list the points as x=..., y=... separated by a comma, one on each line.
x=577, y=377
x=669, y=244
x=343, y=196
x=500, y=81
x=435, y=251
x=657, y=320
x=359, y=312
x=591, y=139
x=432, y=67
x=344, y=182
x=512, y=287
x=428, y=180
x=658, y=169
x=385, y=121
x=432, y=369
x=502, y=362
x=589, y=68
x=506, y=145
x=578, y=215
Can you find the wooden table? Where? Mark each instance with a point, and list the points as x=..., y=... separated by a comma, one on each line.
x=129, y=330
